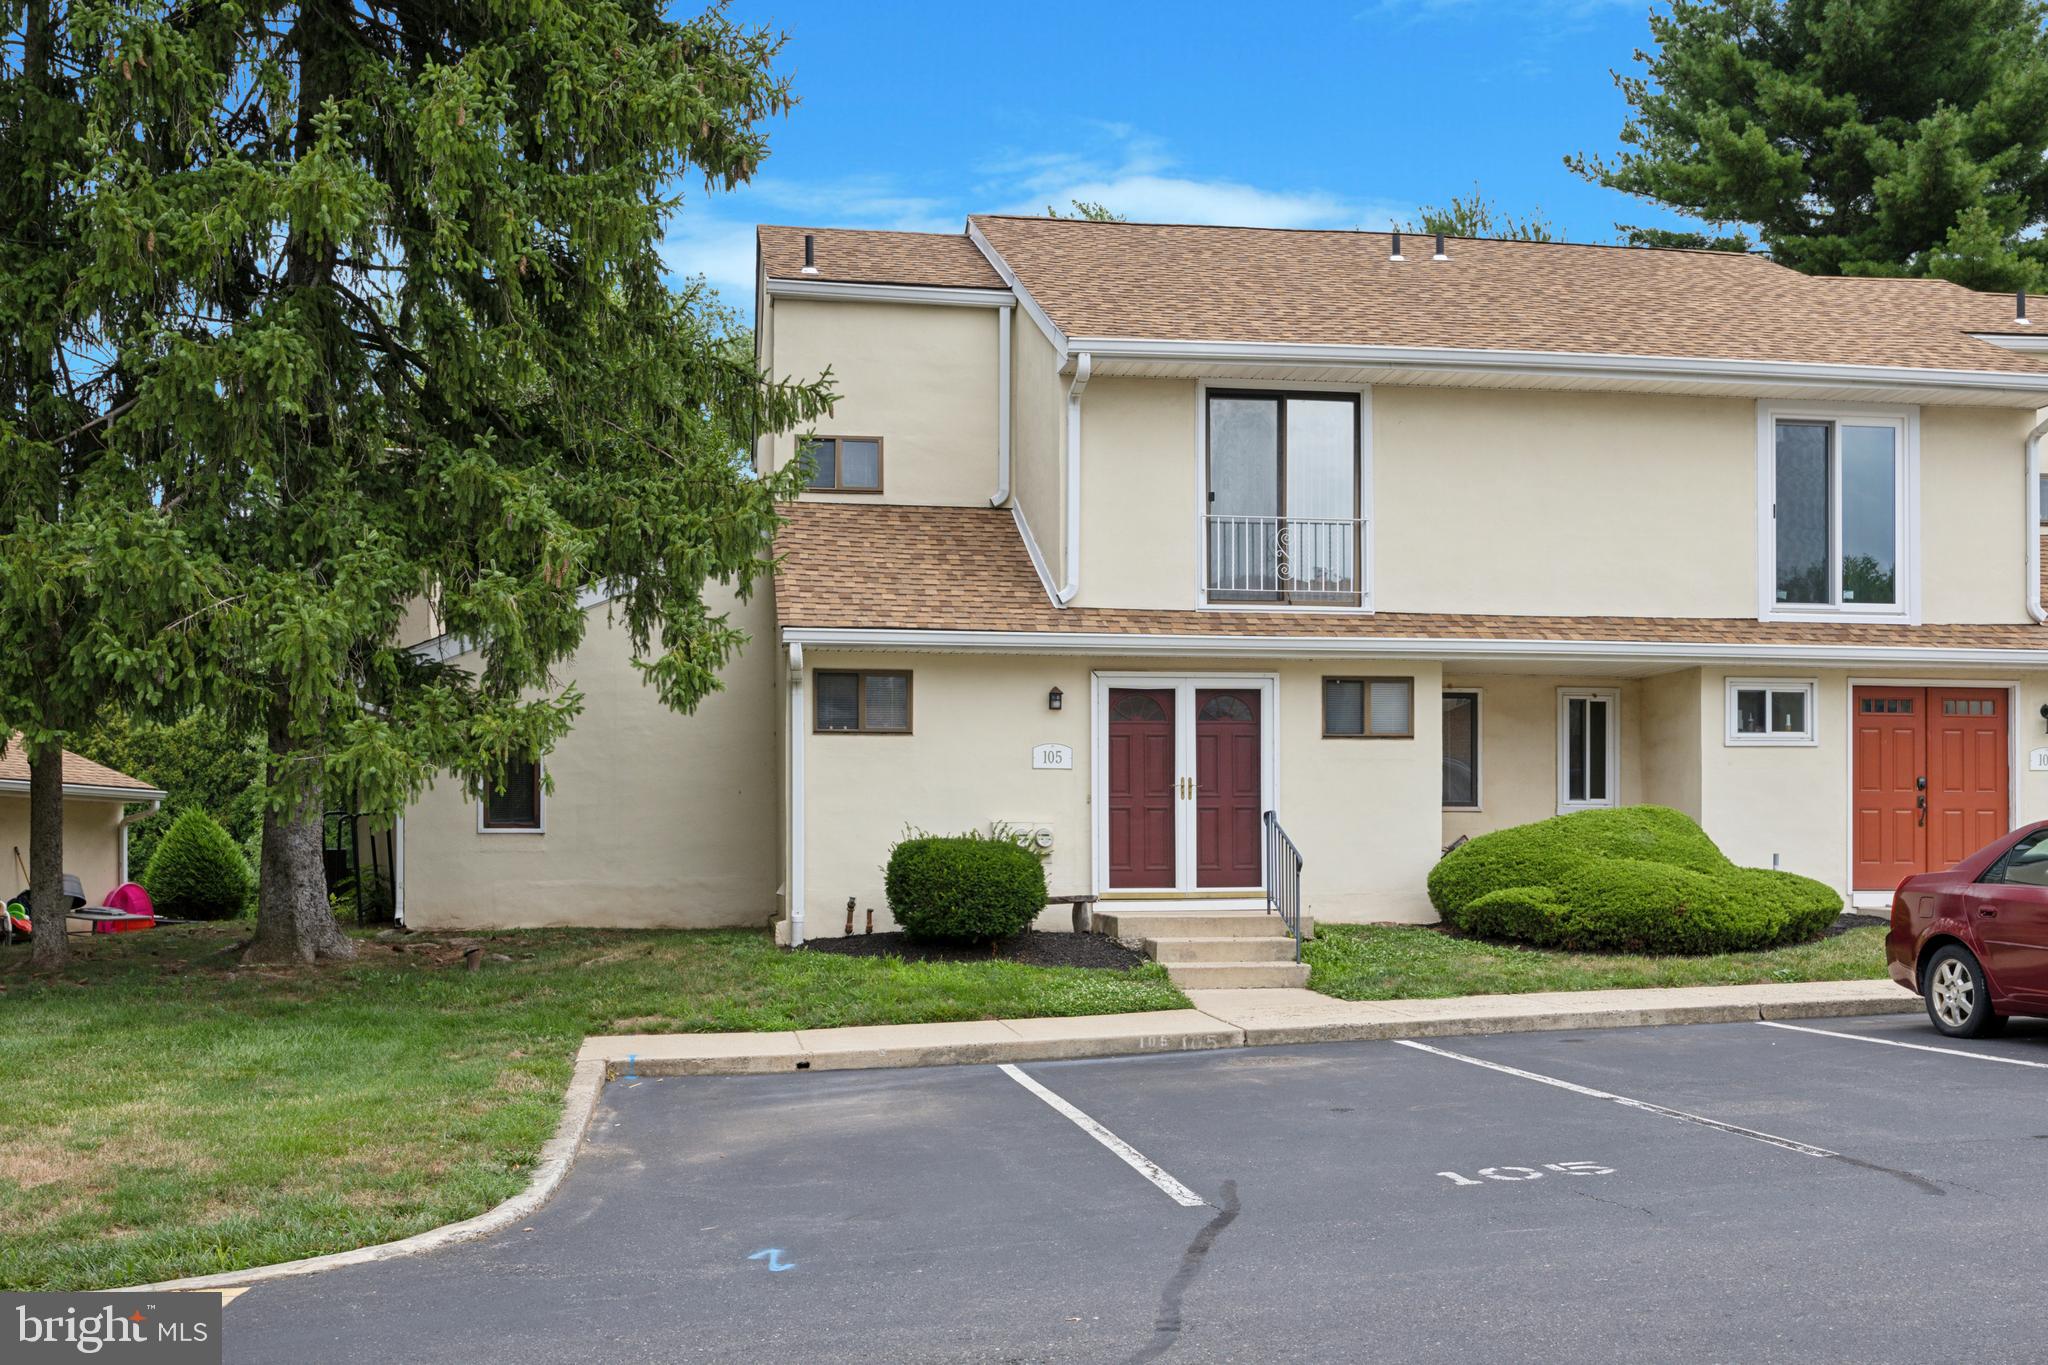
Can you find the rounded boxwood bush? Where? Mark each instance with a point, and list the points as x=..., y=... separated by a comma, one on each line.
x=1639, y=879
x=964, y=889
x=197, y=870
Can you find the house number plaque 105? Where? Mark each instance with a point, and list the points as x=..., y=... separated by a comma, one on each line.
x=1052, y=756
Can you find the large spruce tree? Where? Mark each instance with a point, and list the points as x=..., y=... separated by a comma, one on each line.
x=1880, y=137
x=408, y=336
x=92, y=575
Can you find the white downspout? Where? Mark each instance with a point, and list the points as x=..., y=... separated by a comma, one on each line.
x=137, y=818
x=796, y=796
x=1002, y=407
x=2033, y=505
x=398, y=871
x=1084, y=365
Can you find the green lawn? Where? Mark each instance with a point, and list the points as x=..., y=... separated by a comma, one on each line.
x=167, y=1114
x=1398, y=962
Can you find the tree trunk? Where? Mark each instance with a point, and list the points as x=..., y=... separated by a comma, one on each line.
x=51, y=948
x=294, y=922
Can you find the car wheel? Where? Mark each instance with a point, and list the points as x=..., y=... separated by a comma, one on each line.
x=1958, y=1000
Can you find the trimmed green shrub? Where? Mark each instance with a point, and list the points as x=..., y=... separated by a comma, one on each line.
x=964, y=888
x=197, y=871
x=1642, y=879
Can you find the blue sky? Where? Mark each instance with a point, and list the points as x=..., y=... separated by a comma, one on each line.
x=915, y=114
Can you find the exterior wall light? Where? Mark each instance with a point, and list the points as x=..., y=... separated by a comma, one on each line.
x=1055, y=699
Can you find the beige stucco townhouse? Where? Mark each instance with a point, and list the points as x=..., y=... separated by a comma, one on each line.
x=1129, y=534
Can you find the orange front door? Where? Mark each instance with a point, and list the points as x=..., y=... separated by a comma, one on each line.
x=1967, y=780
x=1930, y=779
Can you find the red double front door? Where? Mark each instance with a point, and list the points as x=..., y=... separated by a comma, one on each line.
x=1155, y=803
x=1930, y=778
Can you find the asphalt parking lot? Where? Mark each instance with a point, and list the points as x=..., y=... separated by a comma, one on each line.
x=1747, y=1192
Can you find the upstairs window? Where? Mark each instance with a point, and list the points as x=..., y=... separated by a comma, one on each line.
x=1284, y=520
x=512, y=805
x=844, y=464
x=1835, y=499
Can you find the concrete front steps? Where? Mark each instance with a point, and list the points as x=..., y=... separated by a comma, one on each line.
x=1213, y=950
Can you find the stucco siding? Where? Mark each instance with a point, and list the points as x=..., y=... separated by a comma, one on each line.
x=655, y=819
x=92, y=844
x=1518, y=748
x=1139, y=495
x=921, y=377
x=1973, y=533
x=1038, y=439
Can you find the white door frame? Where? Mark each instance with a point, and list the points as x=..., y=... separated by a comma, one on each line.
x=1877, y=899
x=1565, y=696
x=1184, y=686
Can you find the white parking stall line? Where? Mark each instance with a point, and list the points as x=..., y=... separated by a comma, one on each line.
x=1770, y=1139
x=1129, y=1155
x=1917, y=1047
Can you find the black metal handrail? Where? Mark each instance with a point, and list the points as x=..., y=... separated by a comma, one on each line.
x=1283, y=879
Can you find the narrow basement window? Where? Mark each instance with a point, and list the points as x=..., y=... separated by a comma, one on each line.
x=1767, y=711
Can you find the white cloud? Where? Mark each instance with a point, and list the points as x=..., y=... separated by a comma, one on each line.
x=1114, y=164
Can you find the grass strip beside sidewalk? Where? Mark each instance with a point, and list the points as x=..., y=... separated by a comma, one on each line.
x=1405, y=962
x=167, y=1113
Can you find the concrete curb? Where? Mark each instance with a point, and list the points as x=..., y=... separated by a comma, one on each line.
x=1221, y=1019
x=556, y=1157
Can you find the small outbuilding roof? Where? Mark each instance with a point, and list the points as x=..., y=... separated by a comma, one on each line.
x=82, y=776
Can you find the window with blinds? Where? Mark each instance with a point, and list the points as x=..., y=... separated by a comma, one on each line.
x=861, y=703
x=1369, y=708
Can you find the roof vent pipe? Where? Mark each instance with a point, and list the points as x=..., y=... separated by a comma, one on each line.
x=1440, y=248
x=1397, y=256
x=2021, y=306
x=810, y=253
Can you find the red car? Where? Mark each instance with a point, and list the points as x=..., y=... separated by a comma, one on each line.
x=1973, y=941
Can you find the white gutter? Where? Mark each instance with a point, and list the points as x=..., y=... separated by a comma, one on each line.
x=851, y=292
x=2033, y=505
x=1558, y=363
x=86, y=791
x=1084, y=365
x=1676, y=653
x=1002, y=493
x=796, y=795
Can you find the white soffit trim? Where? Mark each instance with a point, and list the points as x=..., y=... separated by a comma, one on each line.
x=1024, y=299
x=1560, y=363
x=85, y=791
x=441, y=648
x=2008, y=341
x=845, y=291
x=1408, y=647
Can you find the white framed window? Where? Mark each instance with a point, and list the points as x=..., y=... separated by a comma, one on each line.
x=1461, y=748
x=1588, y=748
x=1838, y=519
x=1770, y=711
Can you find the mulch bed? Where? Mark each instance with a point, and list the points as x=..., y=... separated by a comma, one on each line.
x=1849, y=919
x=1033, y=948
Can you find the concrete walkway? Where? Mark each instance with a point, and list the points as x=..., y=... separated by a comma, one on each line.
x=1229, y=1018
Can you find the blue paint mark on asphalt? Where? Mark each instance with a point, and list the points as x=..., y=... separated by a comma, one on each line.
x=774, y=1255
x=629, y=1066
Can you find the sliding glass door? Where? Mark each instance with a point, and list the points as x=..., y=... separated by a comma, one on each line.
x=1283, y=520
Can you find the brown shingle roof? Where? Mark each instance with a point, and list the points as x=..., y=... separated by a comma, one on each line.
x=864, y=256
x=965, y=568
x=78, y=772
x=1188, y=283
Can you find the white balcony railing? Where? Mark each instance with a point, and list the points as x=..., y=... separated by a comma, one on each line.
x=1286, y=559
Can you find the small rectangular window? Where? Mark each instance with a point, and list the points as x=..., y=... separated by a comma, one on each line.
x=1461, y=750
x=844, y=464
x=862, y=703
x=513, y=801
x=1770, y=711
x=1369, y=708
